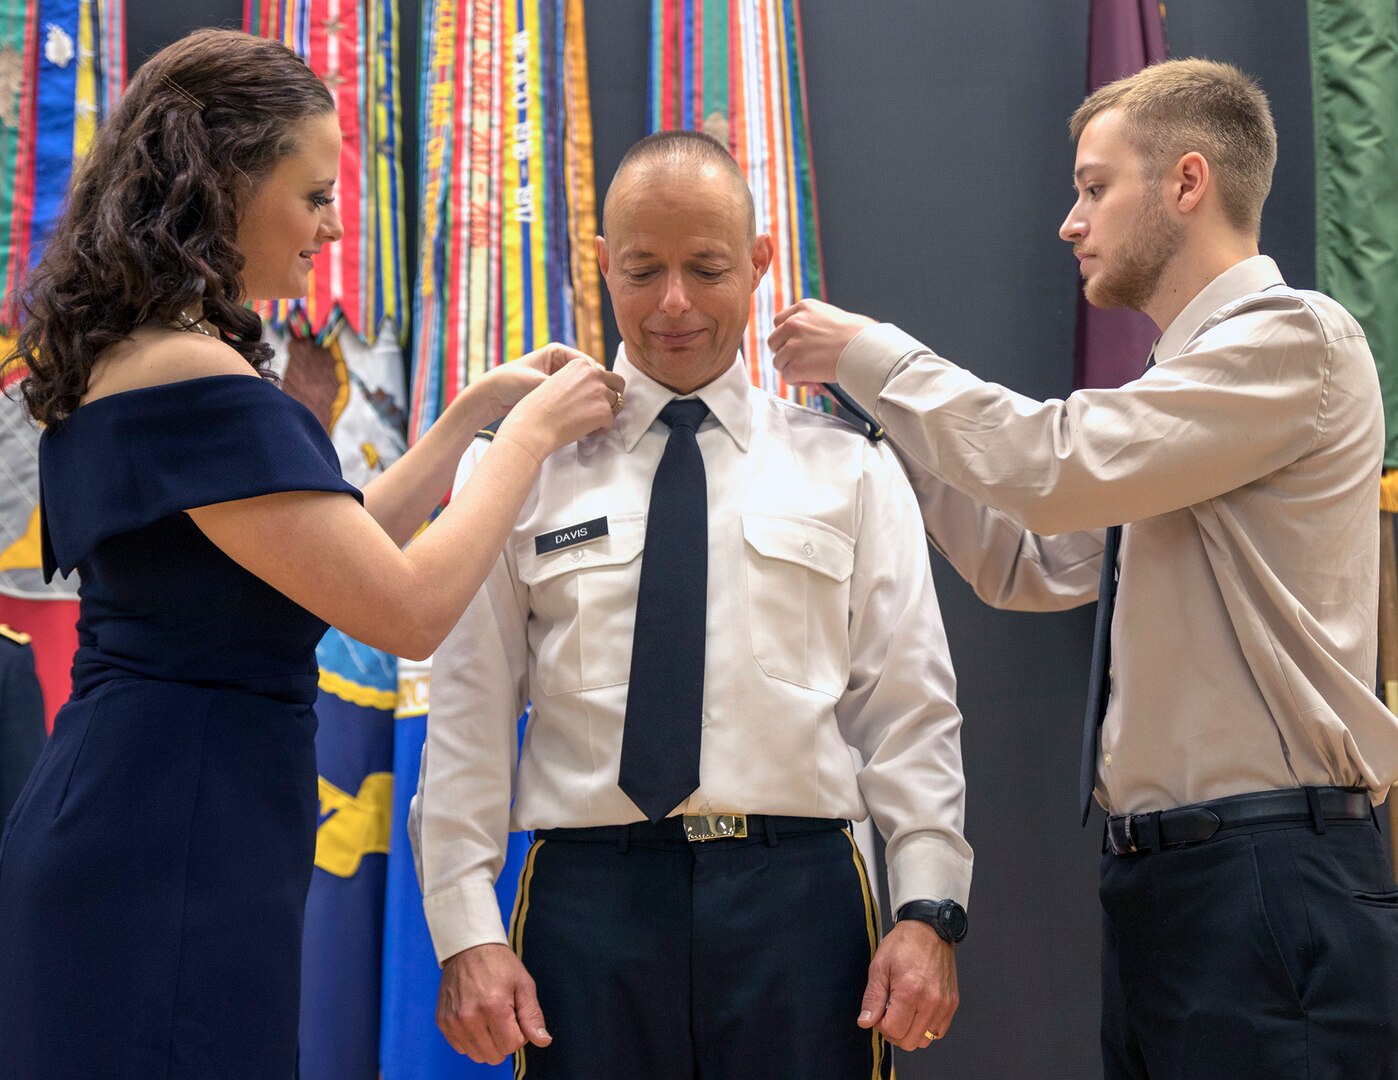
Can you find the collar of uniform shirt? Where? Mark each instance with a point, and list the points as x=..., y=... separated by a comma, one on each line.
x=1249, y=276
x=727, y=399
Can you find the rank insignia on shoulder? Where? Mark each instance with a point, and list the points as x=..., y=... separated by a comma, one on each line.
x=19, y=637
x=873, y=430
x=570, y=536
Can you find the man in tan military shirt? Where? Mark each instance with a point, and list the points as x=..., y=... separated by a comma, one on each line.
x=1233, y=736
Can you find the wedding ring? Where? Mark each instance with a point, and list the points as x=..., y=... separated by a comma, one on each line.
x=616, y=405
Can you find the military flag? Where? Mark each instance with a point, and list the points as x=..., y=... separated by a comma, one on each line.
x=62, y=65
x=1123, y=37
x=413, y=1047
x=736, y=70
x=1354, y=91
x=358, y=393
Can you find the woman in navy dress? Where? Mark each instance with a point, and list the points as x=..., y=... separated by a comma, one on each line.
x=153, y=872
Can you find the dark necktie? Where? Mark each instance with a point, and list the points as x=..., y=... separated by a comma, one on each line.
x=1099, y=679
x=665, y=701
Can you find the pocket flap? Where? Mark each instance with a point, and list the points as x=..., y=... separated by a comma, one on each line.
x=803, y=541
x=625, y=538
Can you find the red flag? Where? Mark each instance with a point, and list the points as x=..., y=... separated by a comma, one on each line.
x=1123, y=37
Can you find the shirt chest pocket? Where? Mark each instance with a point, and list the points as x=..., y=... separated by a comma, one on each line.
x=582, y=603
x=798, y=572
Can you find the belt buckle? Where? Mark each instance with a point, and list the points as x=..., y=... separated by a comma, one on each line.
x=1120, y=838
x=699, y=828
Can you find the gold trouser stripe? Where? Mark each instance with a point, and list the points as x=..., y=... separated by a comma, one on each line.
x=517, y=918
x=871, y=923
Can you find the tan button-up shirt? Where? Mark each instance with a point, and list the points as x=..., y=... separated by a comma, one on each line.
x=1246, y=464
x=823, y=636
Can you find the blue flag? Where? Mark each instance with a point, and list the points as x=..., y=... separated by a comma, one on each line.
x=413, y=1048
x=342, y=960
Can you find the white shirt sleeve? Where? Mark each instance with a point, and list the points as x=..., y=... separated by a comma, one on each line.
x=899, y=710
x=460, y=818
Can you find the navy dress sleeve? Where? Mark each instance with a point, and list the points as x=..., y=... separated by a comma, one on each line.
x=124, y=461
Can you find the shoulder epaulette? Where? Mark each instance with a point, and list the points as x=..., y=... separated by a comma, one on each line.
x=19, y=637
x=488, y=432
x=873, y=430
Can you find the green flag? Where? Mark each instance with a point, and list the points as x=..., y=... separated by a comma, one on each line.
x=1354, y=74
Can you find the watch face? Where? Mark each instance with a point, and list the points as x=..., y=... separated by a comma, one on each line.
x=954, y=919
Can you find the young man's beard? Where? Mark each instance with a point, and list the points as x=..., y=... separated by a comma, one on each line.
x=1139, y=263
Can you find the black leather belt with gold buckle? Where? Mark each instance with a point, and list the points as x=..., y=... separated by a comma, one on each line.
x=696, y=829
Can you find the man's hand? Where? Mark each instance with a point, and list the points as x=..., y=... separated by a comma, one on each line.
x=809, y=337
x=487, y=1007
x=912, y=986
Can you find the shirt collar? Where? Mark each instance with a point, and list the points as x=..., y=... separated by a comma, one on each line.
x=1249, y=276
x=726, y=397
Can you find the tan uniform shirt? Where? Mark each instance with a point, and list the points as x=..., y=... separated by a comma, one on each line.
x=1246, y=462
x=823, y=635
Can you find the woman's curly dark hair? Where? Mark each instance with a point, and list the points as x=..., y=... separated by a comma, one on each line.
x=152, y=214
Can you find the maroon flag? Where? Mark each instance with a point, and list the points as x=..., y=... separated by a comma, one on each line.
x=1123, y=36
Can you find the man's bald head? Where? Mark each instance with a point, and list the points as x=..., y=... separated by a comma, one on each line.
x=667, y=154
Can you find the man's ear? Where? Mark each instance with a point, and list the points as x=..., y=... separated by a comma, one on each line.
x=1191, y=179
x=600, y=242
x=761, y=258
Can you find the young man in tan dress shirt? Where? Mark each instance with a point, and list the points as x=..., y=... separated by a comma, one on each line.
x=1251, y=919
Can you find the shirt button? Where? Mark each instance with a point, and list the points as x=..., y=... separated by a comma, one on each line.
x=576, y=556
x=1111, y=674
x=1107, y=759
x=808, y=550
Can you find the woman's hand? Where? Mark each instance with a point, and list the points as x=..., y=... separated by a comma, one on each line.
x=509, y=383
x=580, y=398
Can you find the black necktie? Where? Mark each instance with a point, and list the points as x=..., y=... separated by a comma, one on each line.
x=1099, y=680
x=665, y=701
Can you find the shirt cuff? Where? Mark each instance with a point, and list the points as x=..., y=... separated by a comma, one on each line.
x=927, y=868
x=870, y=359
x=462, y=917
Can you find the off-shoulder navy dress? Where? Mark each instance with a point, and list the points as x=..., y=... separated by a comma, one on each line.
x=153, y=873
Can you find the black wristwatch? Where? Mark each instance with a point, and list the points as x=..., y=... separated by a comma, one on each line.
x=947, y=917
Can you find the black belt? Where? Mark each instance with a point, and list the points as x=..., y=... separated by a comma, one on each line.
x=1132, y=833
x=695, y=828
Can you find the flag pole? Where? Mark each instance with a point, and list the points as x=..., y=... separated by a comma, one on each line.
x=1388, y=648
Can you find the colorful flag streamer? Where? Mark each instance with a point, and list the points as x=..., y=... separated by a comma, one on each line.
x=353, y=46
x=1113, y=344
x=507, y=194
x=62, y=66
x=735, y=69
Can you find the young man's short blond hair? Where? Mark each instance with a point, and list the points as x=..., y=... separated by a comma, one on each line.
x=1179, y=106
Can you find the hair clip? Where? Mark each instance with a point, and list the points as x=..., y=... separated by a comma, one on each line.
x=177, y=88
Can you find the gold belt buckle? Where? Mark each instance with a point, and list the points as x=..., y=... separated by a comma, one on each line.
x=701, y=827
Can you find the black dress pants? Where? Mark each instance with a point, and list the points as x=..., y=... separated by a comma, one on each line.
x=726, y=960
x=1268, y=952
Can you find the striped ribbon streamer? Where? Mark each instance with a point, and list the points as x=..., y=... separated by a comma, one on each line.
x=507, y=197
x=353, y=46
x=62, y=65
x=735, y=69
x=19, y=60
